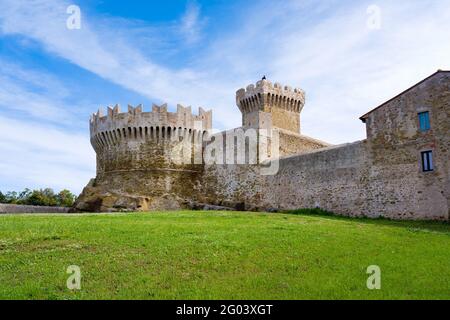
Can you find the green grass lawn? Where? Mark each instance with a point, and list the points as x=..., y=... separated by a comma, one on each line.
x=221, y=255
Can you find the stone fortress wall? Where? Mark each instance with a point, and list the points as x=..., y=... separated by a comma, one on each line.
x=133, y=139
x=145, y=160
x=379, y=176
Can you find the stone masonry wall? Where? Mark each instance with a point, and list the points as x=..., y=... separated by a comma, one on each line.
x=145, y=160
x=291, y=144
x=333, y=178
x=339, y=179
x=380, y=176
x=397, y=181
x=14, y=208
x=271, y=104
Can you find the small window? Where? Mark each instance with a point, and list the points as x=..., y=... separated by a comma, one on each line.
x=424, y=121
x=427, y=161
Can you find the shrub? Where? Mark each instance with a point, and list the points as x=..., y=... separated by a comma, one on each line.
x=11, y=197
x=317, y=211
x=65, y=198
x=41, y=197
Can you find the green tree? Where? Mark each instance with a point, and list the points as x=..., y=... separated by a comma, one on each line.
x=11, y=197
x=23, y=196
x=42, y=197
x=36, y=198
x=65, y=198
x=50, y=197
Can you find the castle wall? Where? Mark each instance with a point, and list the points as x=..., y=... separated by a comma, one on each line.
x=332, y=178
x=380, y=176
x=145, y=160
x=149, y=172
x=340, y=179
x=154, y=160
x=141, y=190
x=291, y=144
x=148, y=148
x=155, y=140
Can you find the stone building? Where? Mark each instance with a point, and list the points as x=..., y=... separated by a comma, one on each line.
x=143, y=162
x=161, y=160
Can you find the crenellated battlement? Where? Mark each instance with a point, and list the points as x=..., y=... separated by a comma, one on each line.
x=116, y=127
x=182, y=117
x=267, y=105
x=264, y=96
x=157, y=117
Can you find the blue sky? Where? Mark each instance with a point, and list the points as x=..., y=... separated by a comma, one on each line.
x=197, y=53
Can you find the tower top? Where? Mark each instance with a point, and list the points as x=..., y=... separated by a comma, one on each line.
x=284, y=97
x=282, y=103
x=157, y=117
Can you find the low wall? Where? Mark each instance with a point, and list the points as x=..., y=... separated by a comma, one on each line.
x=15, y=208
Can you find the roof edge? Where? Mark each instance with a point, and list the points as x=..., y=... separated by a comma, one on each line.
x=364, y=117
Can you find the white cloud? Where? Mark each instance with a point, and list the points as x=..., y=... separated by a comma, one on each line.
x=325, y=48
x=345, y=67
x=36, y=156
x=33, y=152
x=36, y=95
x=191, y=23
x=110, y=57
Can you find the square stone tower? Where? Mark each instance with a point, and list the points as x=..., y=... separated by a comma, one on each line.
x=267, y=106
x=273, y=107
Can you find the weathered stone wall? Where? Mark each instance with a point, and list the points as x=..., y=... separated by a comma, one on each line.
x=380, y=176
x=266, y=104
x=14, y=208
x=332, y=178
x=340, y=179
x=145, y=160
x=291, y=144
x=398, y=184
x=139, y=165
x=286, y=119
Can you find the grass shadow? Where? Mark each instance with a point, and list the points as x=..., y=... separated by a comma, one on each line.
x=442, y=226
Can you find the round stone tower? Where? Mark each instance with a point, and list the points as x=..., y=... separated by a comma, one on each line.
x=145, y=160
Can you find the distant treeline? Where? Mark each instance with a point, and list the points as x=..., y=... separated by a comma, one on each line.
x=41, y=197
